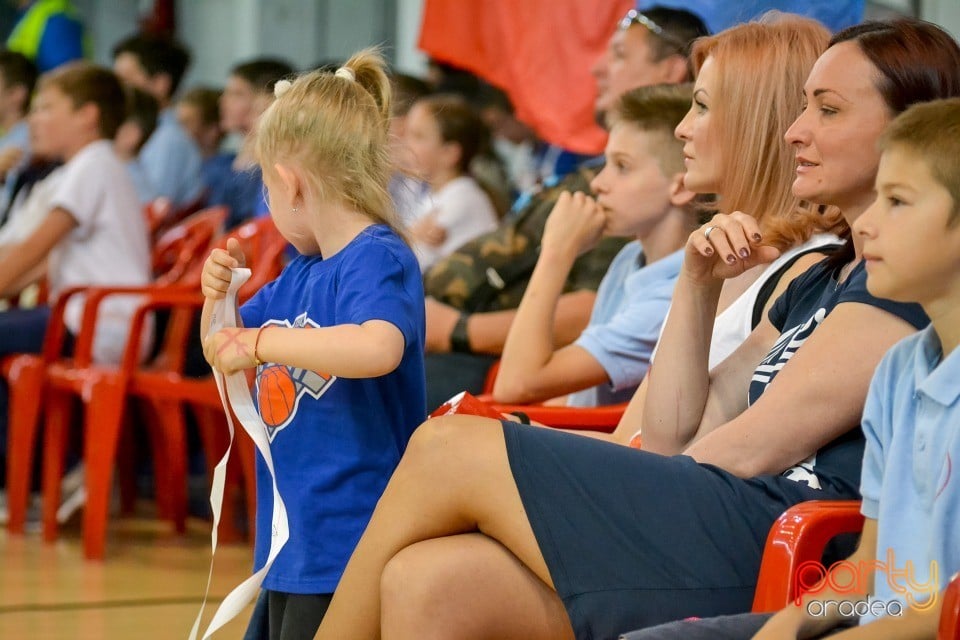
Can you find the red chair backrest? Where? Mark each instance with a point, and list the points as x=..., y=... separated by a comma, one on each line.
x=178, y=254
x=156, y=212
x=161, y=214
x=263, y=247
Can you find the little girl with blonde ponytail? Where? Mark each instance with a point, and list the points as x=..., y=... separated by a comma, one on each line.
x=336, y=340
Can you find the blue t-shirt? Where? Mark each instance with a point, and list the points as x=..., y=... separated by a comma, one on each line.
x=912, y=427
x=335, y=441
x=796, y=314
x=625, y=324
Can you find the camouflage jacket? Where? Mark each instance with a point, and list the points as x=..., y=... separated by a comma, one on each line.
x=490, y=273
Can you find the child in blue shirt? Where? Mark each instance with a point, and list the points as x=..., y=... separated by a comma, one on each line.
x=337, y=339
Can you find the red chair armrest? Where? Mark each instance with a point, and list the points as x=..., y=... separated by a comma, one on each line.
x=603, y=419
x=465, y=403
x=798, y=536
x=94, y=297
x=950, y=614
x=163, y=298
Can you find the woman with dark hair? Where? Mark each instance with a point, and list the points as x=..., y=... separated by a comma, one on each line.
x=891, y=586
x=501, y=530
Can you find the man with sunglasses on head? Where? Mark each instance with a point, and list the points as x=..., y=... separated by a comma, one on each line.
x=647, y=48
x=471, y=302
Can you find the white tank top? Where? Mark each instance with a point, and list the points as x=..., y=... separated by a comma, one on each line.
x=733, y=326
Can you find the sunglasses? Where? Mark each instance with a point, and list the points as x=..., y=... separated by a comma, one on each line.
x=635, y=17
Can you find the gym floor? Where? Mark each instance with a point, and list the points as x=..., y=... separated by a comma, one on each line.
x=149, y=586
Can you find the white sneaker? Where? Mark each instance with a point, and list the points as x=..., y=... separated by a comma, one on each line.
x=74, y=493
x=73, y=479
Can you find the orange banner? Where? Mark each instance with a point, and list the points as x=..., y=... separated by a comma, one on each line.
x=538, y=51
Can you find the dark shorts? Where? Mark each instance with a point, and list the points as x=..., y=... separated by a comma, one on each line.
x=633, y=539
x=287, y=616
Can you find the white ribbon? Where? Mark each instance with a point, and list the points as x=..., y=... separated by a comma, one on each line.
x=234, y=392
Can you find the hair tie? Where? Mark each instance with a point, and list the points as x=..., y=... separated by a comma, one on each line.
x=280, y=87
x=344, y=72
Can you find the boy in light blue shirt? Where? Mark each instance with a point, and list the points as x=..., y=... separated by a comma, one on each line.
x=18, y=77
x=639, y=194
x=170, y=158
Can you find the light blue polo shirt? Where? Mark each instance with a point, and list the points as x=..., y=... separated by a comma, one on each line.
x=911, y=466
x=17, y=136
x=172, y=162
x=629, y=311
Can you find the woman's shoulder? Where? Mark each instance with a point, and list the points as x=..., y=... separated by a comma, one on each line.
x=854, y=289
x=814, y=277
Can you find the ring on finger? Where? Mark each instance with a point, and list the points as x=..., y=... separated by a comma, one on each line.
x=708, y=231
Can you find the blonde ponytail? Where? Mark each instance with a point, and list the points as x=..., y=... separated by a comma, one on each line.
x=334, y=127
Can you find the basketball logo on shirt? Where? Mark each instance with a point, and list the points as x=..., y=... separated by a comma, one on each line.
x=280, y=387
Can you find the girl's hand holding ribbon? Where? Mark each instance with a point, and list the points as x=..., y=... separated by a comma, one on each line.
x=232, y=349
x=216, y=270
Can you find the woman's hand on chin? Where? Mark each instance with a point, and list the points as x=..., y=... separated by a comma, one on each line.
x=724, y=248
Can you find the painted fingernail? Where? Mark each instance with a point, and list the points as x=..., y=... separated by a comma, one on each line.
x=731, y=259
x=708, y=251
x=744, y=253
x=756, y=237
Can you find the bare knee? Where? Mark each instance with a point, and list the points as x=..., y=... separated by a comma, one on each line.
x=466, y=587
x=440, y=440
x=415, y=597
x=456, y=466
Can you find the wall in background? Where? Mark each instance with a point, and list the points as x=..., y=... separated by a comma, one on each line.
x=305, y=32
x=944, y=12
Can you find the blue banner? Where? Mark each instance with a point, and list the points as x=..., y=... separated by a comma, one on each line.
x=720, y=14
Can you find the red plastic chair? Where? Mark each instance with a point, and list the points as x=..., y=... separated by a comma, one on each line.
x=179, y=252
x=104, y=391
x=800, y=535
x=572, y=418
x=604, y=419
x=26, y=373
x=491, y=378
x=950, y=614
x=161, y=214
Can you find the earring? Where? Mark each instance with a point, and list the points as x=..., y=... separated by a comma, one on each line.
x=294, y=209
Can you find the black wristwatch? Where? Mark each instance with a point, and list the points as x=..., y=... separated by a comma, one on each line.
x=459, y=341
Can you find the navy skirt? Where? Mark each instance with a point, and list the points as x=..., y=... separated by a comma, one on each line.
x=633, y=539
